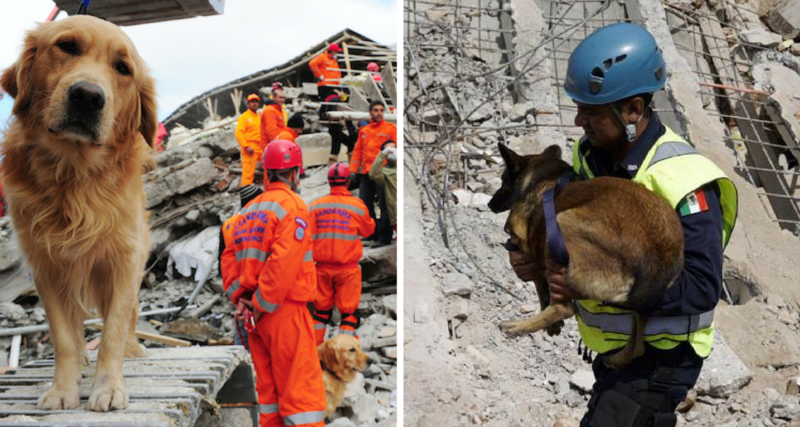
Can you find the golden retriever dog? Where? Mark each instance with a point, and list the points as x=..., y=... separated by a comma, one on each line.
x=625, y=243
x=341, y=358
x=84, y=105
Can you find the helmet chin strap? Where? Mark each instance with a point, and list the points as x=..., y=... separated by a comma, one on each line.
x=291, y=184
x=630, y=128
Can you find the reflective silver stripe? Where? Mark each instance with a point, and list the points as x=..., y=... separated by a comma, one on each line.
x=269, y=408
x=340, y=236
x=266, y=305
x=622, y=323
x=232, y=289
x=304, y=418
x=253, y=253
x=350, y=332
x=319, y=326
x=273, y=207
x=309, y=256
x=671, y=149
x=343, y=206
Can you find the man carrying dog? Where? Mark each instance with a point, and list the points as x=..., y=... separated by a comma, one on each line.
x=612, y=76
x=247, y=135
x=270, y=269
x=341, y=220
x=370, y=140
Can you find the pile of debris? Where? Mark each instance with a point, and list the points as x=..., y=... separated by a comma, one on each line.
x=192, y=191
x=510, y=56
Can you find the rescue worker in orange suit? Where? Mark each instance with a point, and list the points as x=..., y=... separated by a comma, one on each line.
x=370, y=140
x=248, y=137
x=294, y=127
x=340, y=220
x=272, y=117
x=270, y=268
x=246, y=195
x=326, y=70
x=276, y=86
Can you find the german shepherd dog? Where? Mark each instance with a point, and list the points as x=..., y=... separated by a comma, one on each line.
x=625, y=243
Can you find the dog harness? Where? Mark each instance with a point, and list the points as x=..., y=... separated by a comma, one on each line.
x=555, y=241
x=672, y=169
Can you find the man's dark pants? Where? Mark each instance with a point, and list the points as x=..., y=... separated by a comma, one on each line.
x=367, y=192
x=644, y=393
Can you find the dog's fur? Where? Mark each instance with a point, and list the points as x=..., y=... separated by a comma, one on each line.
x=74, y=157
x=341, y=357
x=625, y=243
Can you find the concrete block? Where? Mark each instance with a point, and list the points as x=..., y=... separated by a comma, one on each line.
x=582, y=380
x=455, y=283
x=379, y=263
x=785, y=18
x=292, y=92
x=310, y=89
x=180, y=179
x=760, y=37
x=317, y=148
x=723, y=372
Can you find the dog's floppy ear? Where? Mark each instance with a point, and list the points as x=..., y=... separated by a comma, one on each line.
x=149, y=110
x=328, y=355
x=16, y=79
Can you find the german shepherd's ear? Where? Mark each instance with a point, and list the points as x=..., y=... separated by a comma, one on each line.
x=553, y=151
x=16, y=80
x=502, y=199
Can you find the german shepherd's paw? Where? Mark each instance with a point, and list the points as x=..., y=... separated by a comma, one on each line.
x=555, y=328
x=59, y=398
x=105, y=398
x=513, y=328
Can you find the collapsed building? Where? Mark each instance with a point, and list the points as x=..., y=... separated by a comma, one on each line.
x=193, y=189
x=483, y=72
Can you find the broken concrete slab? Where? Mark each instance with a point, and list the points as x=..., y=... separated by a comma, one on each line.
x=317, y=149
x=723, y=372
x=455, y=283
x=181, y=178
x=784, y=18
x=760, y=37
x=379, y=263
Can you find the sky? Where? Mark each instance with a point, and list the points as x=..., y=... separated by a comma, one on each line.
x=189, y=56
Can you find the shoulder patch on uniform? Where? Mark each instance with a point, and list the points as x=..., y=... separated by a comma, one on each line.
x=299, y=233
x=694, y=203
x=301, y=221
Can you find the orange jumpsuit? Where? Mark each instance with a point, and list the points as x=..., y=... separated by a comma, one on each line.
x=340, y=219
x=370, y=139
x=271, y=263
x=248, y=135
x=271, y=123
x=327, y=67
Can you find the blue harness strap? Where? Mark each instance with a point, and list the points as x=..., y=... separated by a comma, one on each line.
x=555, y=241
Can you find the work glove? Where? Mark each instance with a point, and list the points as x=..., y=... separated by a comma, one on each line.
x=352, y=177
x=391, y=153
x=320, y=78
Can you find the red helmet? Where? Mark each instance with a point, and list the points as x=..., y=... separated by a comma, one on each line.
x=281, y=154
x=338, y=174
x=373, y=67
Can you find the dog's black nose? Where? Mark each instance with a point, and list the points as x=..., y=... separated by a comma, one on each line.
x=87, y=97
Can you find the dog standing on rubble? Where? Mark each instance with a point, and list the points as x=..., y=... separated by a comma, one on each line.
x=84, y=105
x=622, y=259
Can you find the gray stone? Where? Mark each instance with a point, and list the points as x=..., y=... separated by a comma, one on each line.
x=582, y=380
x=390, y=352
x=723, y=372
x=193, y=214
x=10, y=254
x=760, y=37
x=13, y=312
x=785, y=408
x=455, y=283
x=390, y=304
x=179, y=179
x=341, y=422
x=366, y=409
x=387, y=331
x=37, y=315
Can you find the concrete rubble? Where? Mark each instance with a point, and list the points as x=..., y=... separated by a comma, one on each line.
x=191, y=192
x=453, y=242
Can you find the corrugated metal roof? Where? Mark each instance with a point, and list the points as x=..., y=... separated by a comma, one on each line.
x=133, y=12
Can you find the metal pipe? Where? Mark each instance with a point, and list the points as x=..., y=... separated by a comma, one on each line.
x=13, y=358
x=41, y=328
x=358, y=115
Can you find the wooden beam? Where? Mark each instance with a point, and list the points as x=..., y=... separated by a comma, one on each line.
x=346, y=57
x=161, y=339
x=389, y=82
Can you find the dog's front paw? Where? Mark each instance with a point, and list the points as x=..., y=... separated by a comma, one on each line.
x=512, y=328
x=106, y=398
x=58, y=398
x=555, y=328
x=135, y=349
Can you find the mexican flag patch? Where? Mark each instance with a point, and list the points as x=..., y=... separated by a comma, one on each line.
x=693, y=203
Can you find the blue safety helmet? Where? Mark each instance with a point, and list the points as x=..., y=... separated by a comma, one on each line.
x=613, y=63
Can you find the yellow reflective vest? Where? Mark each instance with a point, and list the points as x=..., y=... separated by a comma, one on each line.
x=672, y=169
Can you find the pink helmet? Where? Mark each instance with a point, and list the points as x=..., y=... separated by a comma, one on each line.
x=373, y=67
x=281, y=154
x=338, y=174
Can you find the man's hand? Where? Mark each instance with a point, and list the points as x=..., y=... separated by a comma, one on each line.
x=241, y=311
x=557, y=281
x=249, y=150
x=524, y=264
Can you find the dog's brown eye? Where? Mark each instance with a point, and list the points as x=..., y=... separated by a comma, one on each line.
x=352, y=350
x=123, y=69
x=68, y=47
